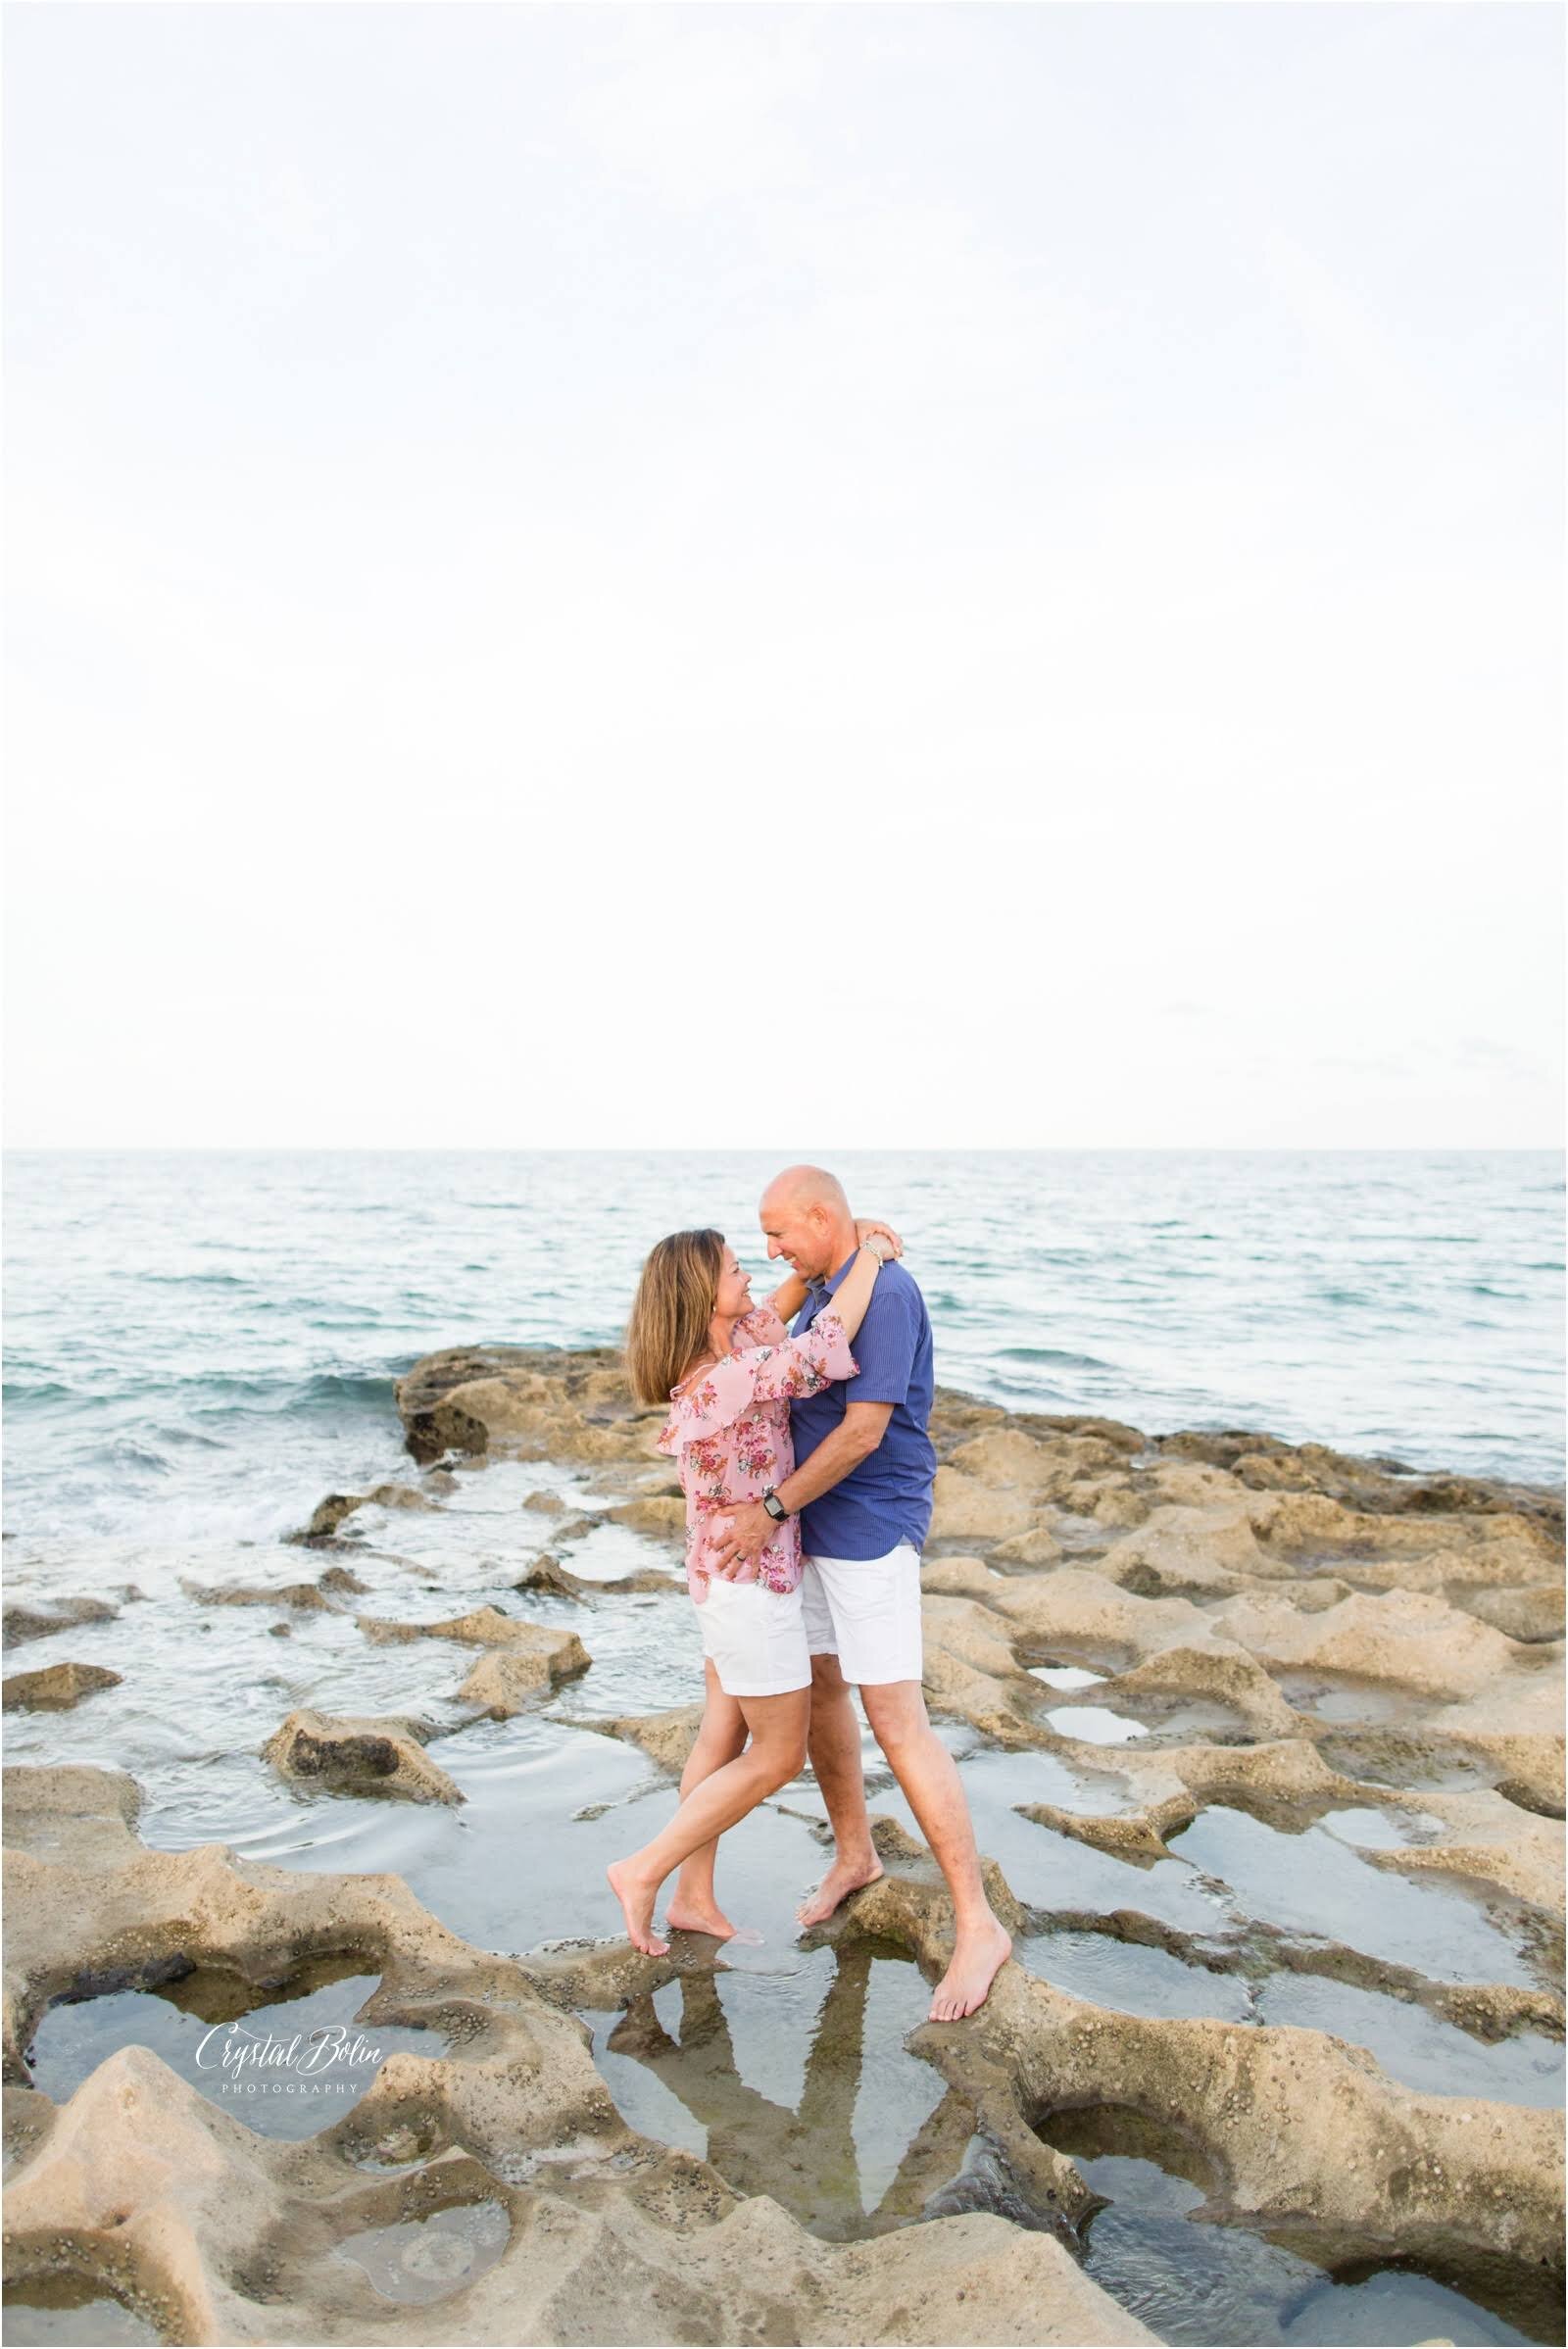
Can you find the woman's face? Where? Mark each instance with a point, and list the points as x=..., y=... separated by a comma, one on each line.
x=734, y=1287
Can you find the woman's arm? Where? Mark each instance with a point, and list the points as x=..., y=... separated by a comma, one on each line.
x=791, y=1295
x=788, y=1297
x=853, y=1293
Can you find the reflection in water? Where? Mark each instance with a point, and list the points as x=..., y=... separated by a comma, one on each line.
x=872, y=2133
x=1220, y=2283
x=288, y=2061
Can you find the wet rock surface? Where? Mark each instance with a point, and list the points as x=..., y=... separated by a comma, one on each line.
x=360, y=1756
x=55, y=1689
x=1265, y=1750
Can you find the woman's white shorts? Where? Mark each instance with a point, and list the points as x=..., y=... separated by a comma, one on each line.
x=865, y=1611
x=754, y=1638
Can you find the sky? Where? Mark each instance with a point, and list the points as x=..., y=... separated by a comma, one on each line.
x=784, y=576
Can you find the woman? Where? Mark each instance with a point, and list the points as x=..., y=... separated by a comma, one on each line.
x=728, y=1370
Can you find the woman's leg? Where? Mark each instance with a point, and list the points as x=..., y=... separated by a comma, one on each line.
x=775, y=1756
x=693, y=1907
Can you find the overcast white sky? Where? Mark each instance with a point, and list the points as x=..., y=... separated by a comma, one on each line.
x=856, y=575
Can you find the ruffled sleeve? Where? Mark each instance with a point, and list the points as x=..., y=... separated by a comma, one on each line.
x=759, y=1374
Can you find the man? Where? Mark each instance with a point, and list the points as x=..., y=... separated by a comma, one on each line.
x=863, y=1484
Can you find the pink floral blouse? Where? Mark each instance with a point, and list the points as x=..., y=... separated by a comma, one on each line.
x=729, y=1426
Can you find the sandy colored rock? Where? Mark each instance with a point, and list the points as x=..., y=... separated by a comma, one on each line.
x=1007, y=1459
x=1410, y=1639
x=30, y=1622
x=221, y=2235
x=967, y=1510
x=358, y=1754
x=400, y=1497
x=625, y=2243
x=1178, y=1549
x=1526, y=1615
x=549, y=1576
x=960, y=1577
x=1428, y=2171
x=1036, y=1546
x=662, y=1518
x=504, y=1680
x=326, y=1516
x=665, y=1737
x=340, y=1582
x=528, y=1402
x=307, y=1597
x=55, y=1689
x=560, y=1653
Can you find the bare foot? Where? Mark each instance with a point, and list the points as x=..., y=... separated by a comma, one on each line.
x=977, y=1958
x=699, y=1917
x=637, y=1907
x=842, y=1878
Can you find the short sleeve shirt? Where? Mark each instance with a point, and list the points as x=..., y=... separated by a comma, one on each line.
x=886, y=1498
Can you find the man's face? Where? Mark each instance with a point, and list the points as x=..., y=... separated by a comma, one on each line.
x=802, y=1235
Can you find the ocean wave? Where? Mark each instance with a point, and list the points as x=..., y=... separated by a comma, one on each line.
x=183, y=1280
x=1051, y=1354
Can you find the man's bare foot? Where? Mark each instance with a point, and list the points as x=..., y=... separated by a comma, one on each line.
x=978, y=1956
x=842, y=1878
x=699, y=1917
x=637, y=1907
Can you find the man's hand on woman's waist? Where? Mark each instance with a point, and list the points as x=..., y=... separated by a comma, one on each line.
x=854, y=1439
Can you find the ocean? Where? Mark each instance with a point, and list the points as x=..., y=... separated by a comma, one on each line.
x=199, y=1344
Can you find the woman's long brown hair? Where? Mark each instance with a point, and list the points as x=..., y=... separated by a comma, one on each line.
x=670, y=1317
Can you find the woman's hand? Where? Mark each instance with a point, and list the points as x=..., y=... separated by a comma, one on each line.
x=867, y=1227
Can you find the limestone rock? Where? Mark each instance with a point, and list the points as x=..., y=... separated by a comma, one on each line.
x=964, y=1509
x=305, y=1596
x=505, y=1679
x=560, y=1653
x=29, y=1622
x=665, y=1737
x=662, y=1518
x=357, y=1754
x=56, y=1687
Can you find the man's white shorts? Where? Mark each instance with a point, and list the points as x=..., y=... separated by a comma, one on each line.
x=865, y=1611
x=754, y=1638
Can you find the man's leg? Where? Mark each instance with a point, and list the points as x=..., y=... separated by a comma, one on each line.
x=929, y=1778
x=833, y=1743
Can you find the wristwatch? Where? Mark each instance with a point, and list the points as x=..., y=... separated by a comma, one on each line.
x=775, y=1507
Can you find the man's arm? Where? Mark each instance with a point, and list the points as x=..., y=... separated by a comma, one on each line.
x=854, y=1439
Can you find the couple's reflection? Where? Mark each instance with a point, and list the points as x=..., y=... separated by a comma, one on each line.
x=807, y=2159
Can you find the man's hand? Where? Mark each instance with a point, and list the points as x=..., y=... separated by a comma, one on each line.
x=750, y=1530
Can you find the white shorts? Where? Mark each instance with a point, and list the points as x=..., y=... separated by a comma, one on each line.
x=867, y=1612
x=754, y=1638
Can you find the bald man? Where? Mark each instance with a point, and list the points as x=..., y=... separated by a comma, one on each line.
x=863, y=1484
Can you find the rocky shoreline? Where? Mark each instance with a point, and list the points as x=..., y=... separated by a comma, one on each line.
x=1170, y=1629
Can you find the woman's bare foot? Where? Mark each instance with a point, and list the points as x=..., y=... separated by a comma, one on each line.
x=699, y=1917
x=842, y=1878
x=978, y=1956
x=637, y=1907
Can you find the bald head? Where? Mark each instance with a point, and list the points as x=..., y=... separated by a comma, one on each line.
x=806, y=1219
x=808, y=1187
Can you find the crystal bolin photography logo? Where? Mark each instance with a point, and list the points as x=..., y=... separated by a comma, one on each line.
x=333, y=2060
